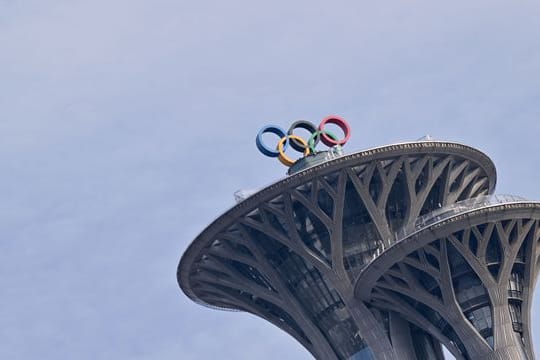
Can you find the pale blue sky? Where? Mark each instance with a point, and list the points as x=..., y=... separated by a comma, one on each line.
x=126, y=126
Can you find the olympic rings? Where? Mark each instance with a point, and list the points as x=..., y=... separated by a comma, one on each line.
x=285, y=160
x=302, y=124
x=270, y=129
x=339, y=122
x=298, y=143
x=316, y=136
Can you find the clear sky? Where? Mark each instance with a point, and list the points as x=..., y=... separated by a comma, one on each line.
x=127, y=125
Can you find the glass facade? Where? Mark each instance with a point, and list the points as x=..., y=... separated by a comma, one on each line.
x=515, y=298
x=398, y=203
x=360, y=237
x=471, y=294
x=425, y=347
x=515, y=286
x=364, y=354
x=319, y=299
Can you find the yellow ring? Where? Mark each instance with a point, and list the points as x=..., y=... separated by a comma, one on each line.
x=285, y=160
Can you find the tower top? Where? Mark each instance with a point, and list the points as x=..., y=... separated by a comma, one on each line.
x=387, y=253
x=311, y=155
x=476, y=164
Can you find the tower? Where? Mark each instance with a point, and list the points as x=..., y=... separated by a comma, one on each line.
x=385, y=253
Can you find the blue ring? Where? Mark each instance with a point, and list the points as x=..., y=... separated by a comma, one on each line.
x=274, y=129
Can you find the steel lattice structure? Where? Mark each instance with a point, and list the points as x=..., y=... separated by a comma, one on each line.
x=382, y=254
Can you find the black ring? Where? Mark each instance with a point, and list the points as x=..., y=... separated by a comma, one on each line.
x=303, y=124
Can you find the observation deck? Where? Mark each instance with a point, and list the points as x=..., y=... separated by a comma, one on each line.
x=386, y=253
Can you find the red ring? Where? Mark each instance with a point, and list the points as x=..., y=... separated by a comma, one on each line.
x=339, y=121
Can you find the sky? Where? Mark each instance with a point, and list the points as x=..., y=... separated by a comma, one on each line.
x=126, y=127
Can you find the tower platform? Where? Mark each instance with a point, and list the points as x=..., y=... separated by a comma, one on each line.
x=387, y=253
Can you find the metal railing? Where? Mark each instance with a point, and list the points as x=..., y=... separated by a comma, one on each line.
x=515, y=294
x=454, y=209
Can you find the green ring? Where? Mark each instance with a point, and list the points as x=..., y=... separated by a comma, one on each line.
x=316, y=134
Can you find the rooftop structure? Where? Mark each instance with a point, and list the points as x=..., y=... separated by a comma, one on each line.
x=386, y=253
